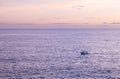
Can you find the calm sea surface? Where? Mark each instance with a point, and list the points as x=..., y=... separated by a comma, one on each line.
x=55, y=54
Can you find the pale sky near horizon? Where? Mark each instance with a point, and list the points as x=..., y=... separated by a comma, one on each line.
x=48, y=13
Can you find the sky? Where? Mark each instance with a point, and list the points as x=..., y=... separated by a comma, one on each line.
x=59, y=13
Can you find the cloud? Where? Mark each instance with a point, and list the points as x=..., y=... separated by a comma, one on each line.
x=79, y=7
x=115, y=23
x=56, y=18
x=105, y=23
x=61, y=23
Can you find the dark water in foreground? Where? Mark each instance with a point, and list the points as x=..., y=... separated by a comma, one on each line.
x=55, y=54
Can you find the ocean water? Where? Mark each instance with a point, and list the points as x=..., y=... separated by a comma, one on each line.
x=55, y=54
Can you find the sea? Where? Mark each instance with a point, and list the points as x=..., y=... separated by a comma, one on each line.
x=56, y=53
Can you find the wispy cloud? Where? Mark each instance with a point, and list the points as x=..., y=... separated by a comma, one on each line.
x=115, y=23
x=57, y=18
x=62, y=23
x=79, y=7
